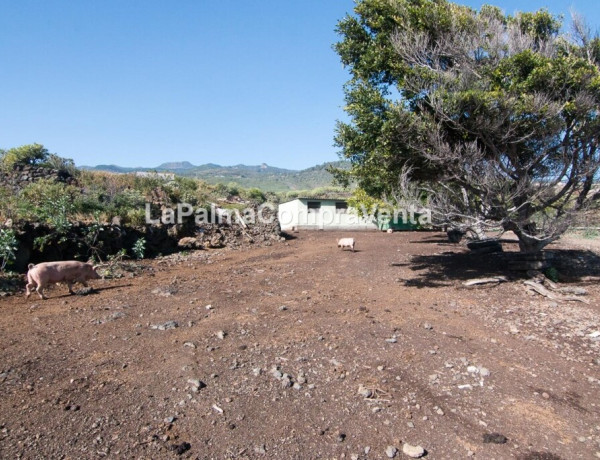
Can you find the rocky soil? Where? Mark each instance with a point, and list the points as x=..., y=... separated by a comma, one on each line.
x=299, y=350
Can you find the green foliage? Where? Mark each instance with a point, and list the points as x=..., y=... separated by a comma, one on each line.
x=552, y=274
x=233, y=189
x=365, y=204
x=49, y=202
x=90, y=241
x=499, y=107
x=183, y=190
x=255, y=195
x=53, y=161
x=139, y=248
x=319, y=192
x=127, y=199
x=30, y=154
x=52, y=203
x=8, y=247
x=542, y=25
x=9, y=206
x=135, y=217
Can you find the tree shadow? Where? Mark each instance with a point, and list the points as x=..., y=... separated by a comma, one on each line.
x=442, y=270
x=575, y=265
x=442, y=240
x=83, y=292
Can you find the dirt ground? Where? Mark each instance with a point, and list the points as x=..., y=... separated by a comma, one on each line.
x=300, y=350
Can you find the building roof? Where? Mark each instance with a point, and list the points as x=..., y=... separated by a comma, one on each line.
x=320, y=199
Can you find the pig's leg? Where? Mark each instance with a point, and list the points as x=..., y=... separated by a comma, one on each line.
x=40, y=291
x=29, y=287
x=70, y=285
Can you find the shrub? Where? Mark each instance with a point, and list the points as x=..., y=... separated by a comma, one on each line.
x=8, y=247
x=233, y=189
x=135, y=217
x=256, y=195
x=139, y=248
x=29, y=154
x=61, y=164
x=182, y=190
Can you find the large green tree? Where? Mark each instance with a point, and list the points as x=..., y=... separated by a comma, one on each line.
x=29, y=154
x=496, y=114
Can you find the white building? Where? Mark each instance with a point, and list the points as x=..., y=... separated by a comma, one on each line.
x=160, y=175
x=322, y=214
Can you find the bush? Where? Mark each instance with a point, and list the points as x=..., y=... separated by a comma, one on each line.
x=8, y=204
x=8, y=247
x=135, y=217
x=255, y=194
x=139, y=248
x=183, y=190
x=233, y=189
x=61, y=164
x=30, y=154
x=49, y=202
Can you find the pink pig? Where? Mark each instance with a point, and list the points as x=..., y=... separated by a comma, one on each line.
x=346, y=243
x=68, y=271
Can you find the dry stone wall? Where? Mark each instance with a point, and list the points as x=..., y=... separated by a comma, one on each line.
x=23, y=175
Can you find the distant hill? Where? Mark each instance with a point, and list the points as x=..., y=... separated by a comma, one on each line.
x=176, y=165
x=264, y=177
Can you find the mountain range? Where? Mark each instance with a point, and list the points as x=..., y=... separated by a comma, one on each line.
x=264, y=177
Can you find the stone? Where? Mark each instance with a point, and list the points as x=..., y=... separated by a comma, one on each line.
x=391, y=451
x=197, y=384
x=494, y=438
x=189, y=243
x=168, y=325
x=413, y=451
x=182, y=448
x=365, y=392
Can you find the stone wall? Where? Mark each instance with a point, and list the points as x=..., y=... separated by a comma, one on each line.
x=23, y=175
x=160, y=239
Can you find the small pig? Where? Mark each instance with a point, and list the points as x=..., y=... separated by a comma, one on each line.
x=346, y=243
x=68, y=271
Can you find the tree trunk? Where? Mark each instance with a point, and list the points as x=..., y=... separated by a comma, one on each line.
x=529, y=243
x=477, y=230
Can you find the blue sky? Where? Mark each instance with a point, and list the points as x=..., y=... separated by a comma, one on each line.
x=142, y=82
